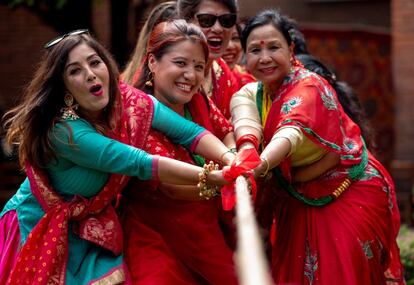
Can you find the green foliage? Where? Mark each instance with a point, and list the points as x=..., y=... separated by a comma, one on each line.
x=406, y=243
x=55, y=4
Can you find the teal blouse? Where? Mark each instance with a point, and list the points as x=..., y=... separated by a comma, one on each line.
x=83, y=167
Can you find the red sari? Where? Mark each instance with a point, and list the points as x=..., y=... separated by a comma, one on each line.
x=351, y=240
x=242, y=76
x=171, y=241
x=224, y=86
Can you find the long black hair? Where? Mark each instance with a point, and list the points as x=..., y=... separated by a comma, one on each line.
x=188, y=8
x=29, y=124
x=271, y=16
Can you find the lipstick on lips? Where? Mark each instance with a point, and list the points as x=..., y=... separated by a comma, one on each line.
x=214, y=43
x=96, y=90
x=267, y=70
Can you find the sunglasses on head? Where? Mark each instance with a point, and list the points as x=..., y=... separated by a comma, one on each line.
x=60, y=38
x=208, y=20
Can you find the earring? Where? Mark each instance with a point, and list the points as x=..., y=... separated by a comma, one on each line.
x=68, y=112
x=150, y=80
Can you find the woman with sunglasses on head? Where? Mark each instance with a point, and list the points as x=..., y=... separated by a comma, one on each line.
x=340, y=227
x=79, y=133
x=172, y=233
x=216, y=19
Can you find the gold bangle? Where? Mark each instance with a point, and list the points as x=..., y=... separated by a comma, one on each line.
x=263, y=174
x=206, y=191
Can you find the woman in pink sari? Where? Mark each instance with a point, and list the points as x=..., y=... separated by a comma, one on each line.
x=341, y=226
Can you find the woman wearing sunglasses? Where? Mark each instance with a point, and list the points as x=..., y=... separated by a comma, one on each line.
x=216, y=19
x=79, y=134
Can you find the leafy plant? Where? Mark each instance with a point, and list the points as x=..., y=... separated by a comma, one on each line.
x=406, y=243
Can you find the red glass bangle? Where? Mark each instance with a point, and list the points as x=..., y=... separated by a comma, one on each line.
x=248, y=138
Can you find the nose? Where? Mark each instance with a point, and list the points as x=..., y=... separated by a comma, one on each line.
x=189, y=74
x=90, y=75
x=231, y=45
x=264, y=57
x=217, y=28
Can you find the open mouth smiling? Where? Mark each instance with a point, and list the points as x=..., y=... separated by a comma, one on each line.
x=184, y=87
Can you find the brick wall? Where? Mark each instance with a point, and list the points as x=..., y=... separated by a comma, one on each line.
x=22, y=36
x=403, y=75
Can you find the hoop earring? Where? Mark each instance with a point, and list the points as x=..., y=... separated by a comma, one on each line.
x=68, y=112
x=150, y=80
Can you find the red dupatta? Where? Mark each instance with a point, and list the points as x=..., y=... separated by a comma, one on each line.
x=224, y=86
x=242, y=76
x=43, y=257
x=307, y=101
x=199, y=109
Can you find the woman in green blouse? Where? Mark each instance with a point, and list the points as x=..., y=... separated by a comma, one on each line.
x=79, y=132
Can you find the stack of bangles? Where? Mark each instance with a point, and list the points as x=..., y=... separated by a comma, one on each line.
x=206, y=191
x=248, y=138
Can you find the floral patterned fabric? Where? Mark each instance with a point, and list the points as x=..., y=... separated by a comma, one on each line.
x=242, y=76
x=172, y=241
x=224, y=86
x=351, y=240
x=43, y=257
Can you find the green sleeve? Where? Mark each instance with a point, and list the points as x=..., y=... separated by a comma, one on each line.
x=177, y=128
x=92, y=150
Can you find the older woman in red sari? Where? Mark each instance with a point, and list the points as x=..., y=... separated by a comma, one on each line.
x=340, y=227
x=172, y=233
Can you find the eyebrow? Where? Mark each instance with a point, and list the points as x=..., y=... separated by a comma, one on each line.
x=257, y=42
x=76, y=62
x=186, y=59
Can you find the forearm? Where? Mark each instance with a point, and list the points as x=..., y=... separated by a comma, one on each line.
x=177, y=172
x=173, y=171
x=245, y=116
x=212, y=148
x=229, y=140
x=273, y=154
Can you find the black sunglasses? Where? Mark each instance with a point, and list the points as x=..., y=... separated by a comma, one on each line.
x=60, y=38
x=208, y=20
